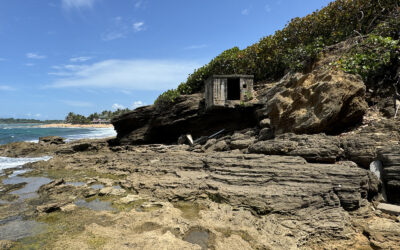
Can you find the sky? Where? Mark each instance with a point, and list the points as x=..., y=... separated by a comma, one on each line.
x=85, y=56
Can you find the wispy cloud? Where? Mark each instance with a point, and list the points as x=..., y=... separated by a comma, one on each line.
x=117, y=106
x=35, y=56
x=29, y=64
x=196, y=46
x=128, y=75
x=66, y=69
x=80, y=59
x=2, y=59
x=267, y=8
x=33, y=115
x=6, y=88
x=137, y=104
x=77, y=4
x=121, y=28
x=80, y=104
x=138, y=26
x=245, y=12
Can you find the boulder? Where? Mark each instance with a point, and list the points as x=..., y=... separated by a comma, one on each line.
x=321, y=101
x=242, y=144
x=266, y=134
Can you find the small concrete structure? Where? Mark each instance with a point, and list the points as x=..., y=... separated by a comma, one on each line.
x=228, y=90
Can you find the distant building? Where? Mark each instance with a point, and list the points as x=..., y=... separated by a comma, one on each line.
x=100, y=121
x=228, y=90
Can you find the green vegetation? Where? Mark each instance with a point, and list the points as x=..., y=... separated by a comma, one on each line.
x=105, y=115
x=298, y=45
x=371, y=58
x=13, y=121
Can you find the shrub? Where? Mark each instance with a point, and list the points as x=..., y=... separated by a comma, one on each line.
x=371, y=58
x=168, y=96
x=299, y=43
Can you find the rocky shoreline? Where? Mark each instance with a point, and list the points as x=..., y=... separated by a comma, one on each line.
x=231, y=192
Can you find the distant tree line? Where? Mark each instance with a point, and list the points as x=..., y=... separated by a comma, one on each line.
x=12, y=120
x=105, y=115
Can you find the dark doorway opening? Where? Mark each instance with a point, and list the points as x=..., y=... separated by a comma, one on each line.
x=233, y=88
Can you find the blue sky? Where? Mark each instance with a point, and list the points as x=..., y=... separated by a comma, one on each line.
x=86, y=56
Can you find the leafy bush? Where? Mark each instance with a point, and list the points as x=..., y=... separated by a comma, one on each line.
x=371, y=58
x=168, y=96
x=296, y=46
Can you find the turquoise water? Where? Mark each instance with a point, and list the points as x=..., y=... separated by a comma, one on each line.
x=29, y=132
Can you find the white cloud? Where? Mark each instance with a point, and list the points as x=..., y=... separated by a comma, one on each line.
x=35, y=56
x=267, y=8
x=77, y=4
x=137, y=104
x=245, y=12
x=6, y=88
x=80, y=59
x=138, y=26
x=117, y=106
x=80, y=104
x=196, y=46
x=128, y=75
x=29, y=64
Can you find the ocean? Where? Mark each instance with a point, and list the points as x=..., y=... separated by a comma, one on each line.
x=31, y=133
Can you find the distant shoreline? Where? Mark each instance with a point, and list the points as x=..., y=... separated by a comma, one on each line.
x=66, y=125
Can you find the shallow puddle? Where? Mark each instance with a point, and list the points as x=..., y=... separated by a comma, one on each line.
x=199, y=237
x=95, y=205
x=76, y=184
x=97, y=186
x=29, y=190
x=18, y=229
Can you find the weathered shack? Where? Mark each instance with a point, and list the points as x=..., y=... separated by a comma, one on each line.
x=228, y=90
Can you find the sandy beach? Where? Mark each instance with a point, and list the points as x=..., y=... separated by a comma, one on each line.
x=66, y=125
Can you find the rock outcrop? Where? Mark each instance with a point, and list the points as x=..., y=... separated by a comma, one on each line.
x=154, y=124
x=314, y=148
x=390, y=157
x=321, y=101
x=57, y=140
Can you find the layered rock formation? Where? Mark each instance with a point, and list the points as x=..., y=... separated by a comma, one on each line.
x=390, y=157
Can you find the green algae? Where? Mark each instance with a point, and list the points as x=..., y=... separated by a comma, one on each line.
x=190, y=210
x=65, y=225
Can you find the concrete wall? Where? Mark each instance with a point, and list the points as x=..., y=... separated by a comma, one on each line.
x=216, y=91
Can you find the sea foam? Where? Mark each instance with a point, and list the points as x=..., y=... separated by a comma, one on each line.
x=8, y=162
